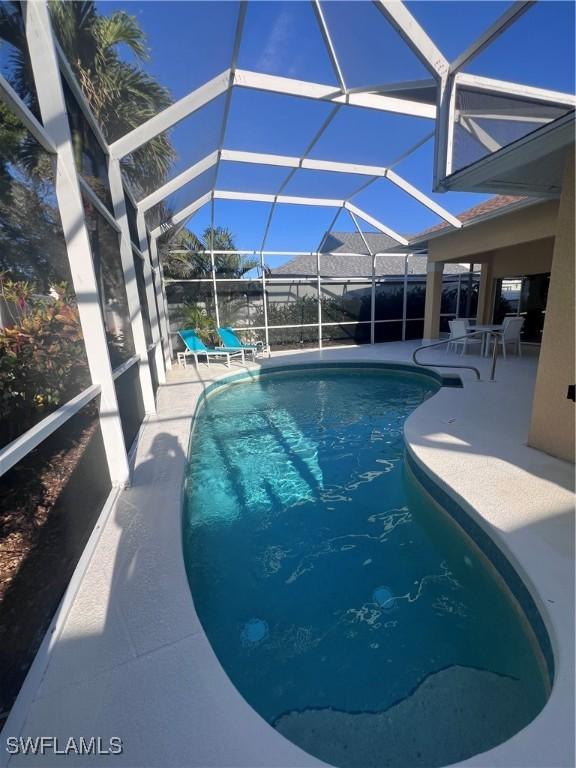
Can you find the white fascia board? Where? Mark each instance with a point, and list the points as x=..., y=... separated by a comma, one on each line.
x=422, y=198
x=307, y=90
x=375, y=223
x=171, y=115
x=415, y=36
x=178, y=181
x=258, y=197
x=507, y=88
x=286, y=161
x=185, y=213
x=490, y=34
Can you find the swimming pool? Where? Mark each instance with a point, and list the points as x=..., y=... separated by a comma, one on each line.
x=345, y=606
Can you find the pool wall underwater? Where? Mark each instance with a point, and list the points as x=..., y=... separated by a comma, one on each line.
x=473, y=530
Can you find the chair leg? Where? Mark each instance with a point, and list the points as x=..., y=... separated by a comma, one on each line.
x=227, y=360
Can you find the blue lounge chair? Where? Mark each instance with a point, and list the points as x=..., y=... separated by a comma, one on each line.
x=231, y=341
x=195, y=347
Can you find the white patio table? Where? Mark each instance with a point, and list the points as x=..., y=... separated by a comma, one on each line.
x=486, y=329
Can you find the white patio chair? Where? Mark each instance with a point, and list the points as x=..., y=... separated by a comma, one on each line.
x=459, y=328
x=511, y=329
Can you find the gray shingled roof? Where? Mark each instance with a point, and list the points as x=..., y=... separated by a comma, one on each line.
x=358, y=265
x=351, y=242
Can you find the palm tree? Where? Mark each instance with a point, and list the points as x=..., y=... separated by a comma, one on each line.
x=121, y=94
x=187, y=265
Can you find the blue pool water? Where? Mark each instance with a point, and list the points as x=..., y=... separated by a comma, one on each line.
x=349, y=611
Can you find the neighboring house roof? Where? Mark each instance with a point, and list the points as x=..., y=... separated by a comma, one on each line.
x=493, y=206
x=358, y=265
x=338, y=244
x=351, y=242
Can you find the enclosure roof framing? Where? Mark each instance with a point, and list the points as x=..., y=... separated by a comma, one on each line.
x=430, y=100
x=257, y=158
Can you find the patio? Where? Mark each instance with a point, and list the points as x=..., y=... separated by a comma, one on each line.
x=128, y=656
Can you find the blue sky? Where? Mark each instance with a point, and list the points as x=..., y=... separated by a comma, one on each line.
x=190, y=42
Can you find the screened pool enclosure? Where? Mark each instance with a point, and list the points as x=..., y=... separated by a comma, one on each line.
x=310, y=118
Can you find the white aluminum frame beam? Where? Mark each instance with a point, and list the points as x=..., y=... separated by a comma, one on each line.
x=161, y=299
x=321, y=92
x=178, y=181
x=414, y=36
x=54, y=116
x=242, y=78
x=152, y=299
x=422, y=198
x=171, y=115
x=258, y=197
x=373, y=171
x=132, y=295
x=72, y=81
x=399, y=85
x=243, y=6
x=330, y=48
x=375, y=223
x=507, y=88
x=182, y=215
x=14, y=103
x=372, y=278
x=489, y=35
x=482, y=136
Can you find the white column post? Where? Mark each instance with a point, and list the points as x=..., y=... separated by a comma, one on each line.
x=265, y=302
x=214, y=288
x=133, y=298
x=318, y=287
x=458, y=296
x=405, y=297
x=153, y=299
x=162, y=301
x=54, y=116
x=373, y=302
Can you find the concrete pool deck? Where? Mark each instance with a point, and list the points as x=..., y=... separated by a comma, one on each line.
x=129, y=658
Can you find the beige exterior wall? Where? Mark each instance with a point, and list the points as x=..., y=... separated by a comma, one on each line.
x=552, y=426
x=485, y=293
x=525, y=225
x=524, y=259
x=433, y=301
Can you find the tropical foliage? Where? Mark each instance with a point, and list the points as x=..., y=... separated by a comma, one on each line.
x=42, y=358
x=120, y=93
x=193, y=264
